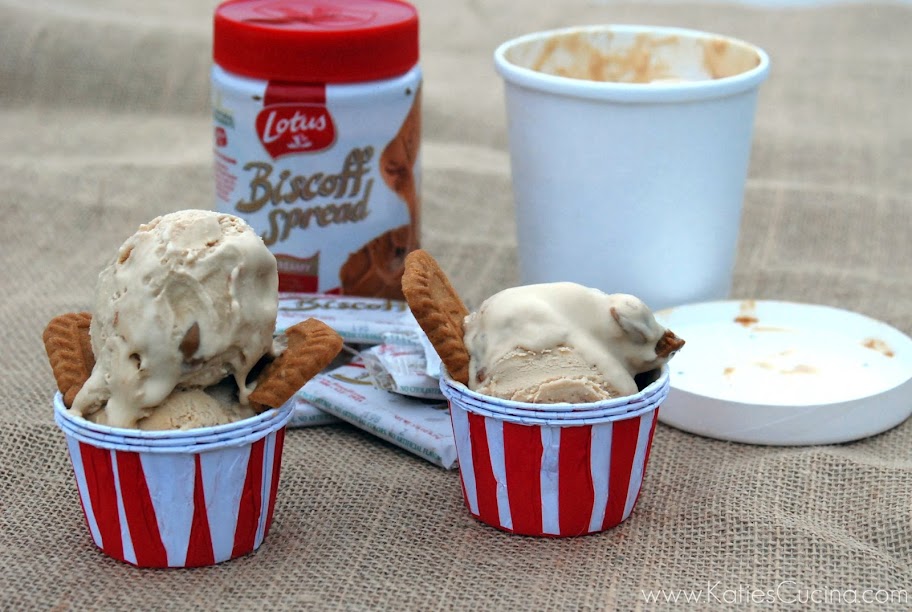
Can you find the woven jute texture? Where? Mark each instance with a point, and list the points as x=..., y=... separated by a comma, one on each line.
x=104, y=124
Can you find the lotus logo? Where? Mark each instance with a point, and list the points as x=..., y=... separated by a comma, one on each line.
x=285, y=129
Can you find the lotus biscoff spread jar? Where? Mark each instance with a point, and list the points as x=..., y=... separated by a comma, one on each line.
x=317, y=111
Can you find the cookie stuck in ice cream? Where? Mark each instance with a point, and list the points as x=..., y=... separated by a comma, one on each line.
x=546, y=343
x=188, y=301
x=312, y=345
x=69, y=350
x=438, y=309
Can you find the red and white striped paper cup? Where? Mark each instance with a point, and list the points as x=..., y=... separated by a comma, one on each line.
x=551, y=477
x=178, y=506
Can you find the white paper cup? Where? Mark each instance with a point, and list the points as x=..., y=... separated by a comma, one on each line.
x=632, y=187
x=551, y=477
x=178, y=506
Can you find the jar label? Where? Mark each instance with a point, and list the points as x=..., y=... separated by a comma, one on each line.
x=329, y=181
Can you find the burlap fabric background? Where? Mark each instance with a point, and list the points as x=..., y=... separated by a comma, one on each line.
x=104, y=125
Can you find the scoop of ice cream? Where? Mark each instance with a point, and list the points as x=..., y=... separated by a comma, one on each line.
x=189, y=299
x=194, y=408
x=563, y=342
x=189, y=409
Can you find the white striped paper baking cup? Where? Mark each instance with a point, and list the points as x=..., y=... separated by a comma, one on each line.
x=178, y=506
x=551, y=477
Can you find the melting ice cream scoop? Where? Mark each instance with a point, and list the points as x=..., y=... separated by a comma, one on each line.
x=189, y=299
x=563, y=342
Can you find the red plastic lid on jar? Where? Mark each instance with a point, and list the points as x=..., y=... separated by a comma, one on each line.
x=328, y=41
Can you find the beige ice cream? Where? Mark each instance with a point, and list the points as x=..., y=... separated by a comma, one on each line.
x=190, y=299
x=190, y=409
x=563, y=342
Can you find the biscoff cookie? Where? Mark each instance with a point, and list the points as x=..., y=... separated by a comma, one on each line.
x=439, y=310
x=69, y=349
x=376, y=268
x=312, y=345
x=668, y=344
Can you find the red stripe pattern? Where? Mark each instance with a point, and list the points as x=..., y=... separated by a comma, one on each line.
x=576, y=493
x=522, y=460
x=552, y=480
x=139, y=512
x=249, y=510
x=99, y=478
x=274, y=486
x=152, y=510
x=199, y=551
x=623, y=447
x=484, y=473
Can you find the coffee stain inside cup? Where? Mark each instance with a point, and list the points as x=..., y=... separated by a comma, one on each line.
x=603, y=56
x=723, y=59
x=637, y=63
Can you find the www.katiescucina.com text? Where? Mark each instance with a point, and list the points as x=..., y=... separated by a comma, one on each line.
x=784, y=592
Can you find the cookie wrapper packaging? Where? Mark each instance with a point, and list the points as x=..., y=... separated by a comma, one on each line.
x=359, y=320
x=552, y=477
x=306, y=414
x=317, y=127
x=196, y=498
x=403, y=364
x=418, y=426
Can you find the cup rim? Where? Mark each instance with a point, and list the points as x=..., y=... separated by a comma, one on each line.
x=547, y=422
x=682, y=91
x=647, y=392
x=70, y=425
x=244, y=438
x=158, y=434
x=564, y=415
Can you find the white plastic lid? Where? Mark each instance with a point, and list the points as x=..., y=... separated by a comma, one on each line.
x=768, y=372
